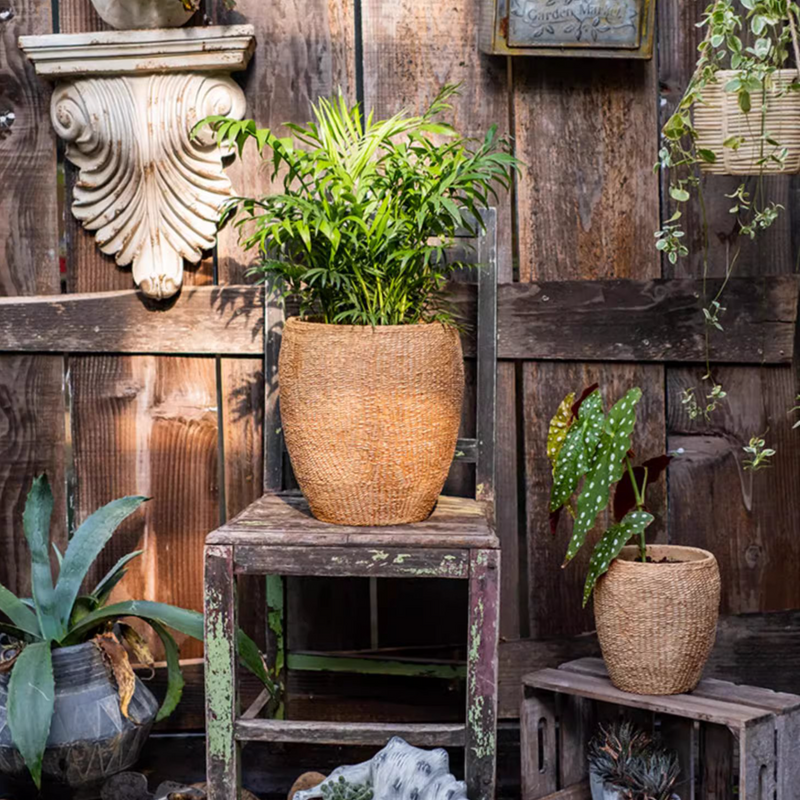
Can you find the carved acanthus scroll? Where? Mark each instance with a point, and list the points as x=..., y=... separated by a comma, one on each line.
x=151, y=193
x=126, y=103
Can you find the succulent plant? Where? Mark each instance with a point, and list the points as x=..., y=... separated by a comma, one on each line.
x=344, y=790
x=633, y=762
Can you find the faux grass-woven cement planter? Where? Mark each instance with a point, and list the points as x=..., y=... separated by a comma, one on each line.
x=656, y=621
x=90, y=740
x=371, y=417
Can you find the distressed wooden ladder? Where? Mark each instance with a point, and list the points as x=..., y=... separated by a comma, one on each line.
x=277, y=536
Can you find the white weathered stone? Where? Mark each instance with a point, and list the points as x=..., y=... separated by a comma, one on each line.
x=218, y=48
x=401, y=772
x=150, y=192
x=127, y=14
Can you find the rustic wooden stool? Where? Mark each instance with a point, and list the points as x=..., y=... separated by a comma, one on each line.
x=732, y=741
x=277, y=535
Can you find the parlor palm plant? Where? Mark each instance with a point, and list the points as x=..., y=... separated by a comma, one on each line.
x=59, y=616
x=358, y=234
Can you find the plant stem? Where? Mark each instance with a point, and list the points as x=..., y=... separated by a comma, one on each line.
x=639, y=495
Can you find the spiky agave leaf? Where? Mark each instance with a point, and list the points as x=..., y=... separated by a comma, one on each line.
x=31, y=699
x=36, y=526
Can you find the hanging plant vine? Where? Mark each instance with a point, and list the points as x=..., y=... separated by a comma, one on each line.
x=746, y=44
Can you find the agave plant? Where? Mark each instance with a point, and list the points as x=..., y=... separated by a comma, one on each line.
x=59, y=616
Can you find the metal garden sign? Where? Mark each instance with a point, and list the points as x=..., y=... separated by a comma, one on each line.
x=593, y=28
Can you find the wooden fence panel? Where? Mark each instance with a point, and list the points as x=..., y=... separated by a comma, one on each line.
x=588, y=137
x=187, y=430
x=32, y=423
x=155, y=419
x=748, y=521
x=411, y=49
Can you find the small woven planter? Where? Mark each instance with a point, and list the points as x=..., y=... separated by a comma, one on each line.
x=719, y=117
x=370, y=417
x=656, y=622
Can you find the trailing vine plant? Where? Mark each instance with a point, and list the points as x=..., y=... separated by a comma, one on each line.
x=754, y=38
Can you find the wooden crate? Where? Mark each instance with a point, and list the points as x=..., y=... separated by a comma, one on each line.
x=732, y=741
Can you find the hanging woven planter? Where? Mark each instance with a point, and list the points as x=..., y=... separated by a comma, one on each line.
x=718, y=118
x=775, y=112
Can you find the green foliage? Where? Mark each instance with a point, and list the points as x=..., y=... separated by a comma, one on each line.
x=758, y=454
x=753, y=37
x=596, y=449
x=58, y=617
x=792, y=410
x=342, y=789
x=368, y=208
x=611, y=544
x=633, y=762
x=31, y=699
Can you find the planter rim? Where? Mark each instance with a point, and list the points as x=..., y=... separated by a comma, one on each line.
x=298, y=322
x=696, y=557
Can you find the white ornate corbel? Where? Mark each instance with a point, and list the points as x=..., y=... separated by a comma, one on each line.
x=126, y=102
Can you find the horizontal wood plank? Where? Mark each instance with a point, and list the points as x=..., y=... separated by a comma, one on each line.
x=709, y=688
x=201, y=320
x=656, y=320
x=690, y=706
x=285, y=519
x=366, y=733
x=388, y=562
x=607, y=320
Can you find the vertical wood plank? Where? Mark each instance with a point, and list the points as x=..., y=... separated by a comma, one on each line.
x=588, y=138
x=411, y=49
x=484, y=613
x=681, y=736
x=576, y=726
x=222, y=696
x=749, y=522
x=32, y=410
x=305, y=50
x=757, y=761
x=716, y=762
x=155, y=420
x=788, y=774
x=538, y=731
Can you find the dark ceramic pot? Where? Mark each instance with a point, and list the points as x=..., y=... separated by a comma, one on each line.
x=89, y=739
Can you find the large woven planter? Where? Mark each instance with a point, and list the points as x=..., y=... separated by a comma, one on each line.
x=656, y=622
x=719, y=117
x=370, y=417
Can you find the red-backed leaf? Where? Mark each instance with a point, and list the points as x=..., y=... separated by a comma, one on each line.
x=624, y=497
x=655, y=466
x=576, y=406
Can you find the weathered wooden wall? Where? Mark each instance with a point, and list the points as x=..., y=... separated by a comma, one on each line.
x=186, y=429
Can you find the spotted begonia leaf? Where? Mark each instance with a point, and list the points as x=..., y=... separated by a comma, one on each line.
x=610, y=545
x=575, y=456
x=559, y=426
x=606, y=467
